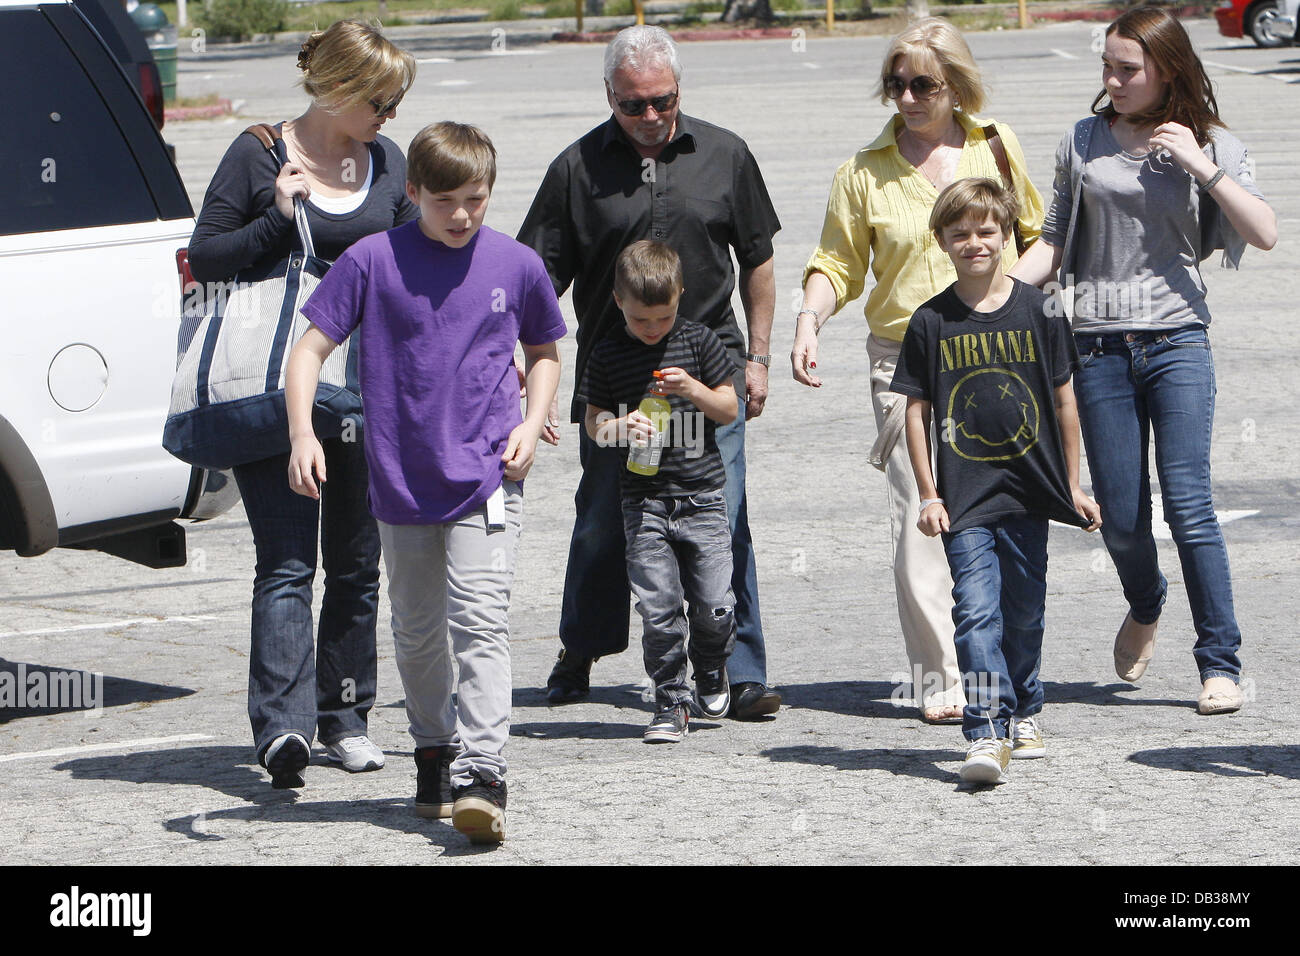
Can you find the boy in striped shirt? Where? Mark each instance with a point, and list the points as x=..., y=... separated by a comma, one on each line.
x=678, y=541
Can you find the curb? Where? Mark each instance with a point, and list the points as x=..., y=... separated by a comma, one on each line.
x=179, y=114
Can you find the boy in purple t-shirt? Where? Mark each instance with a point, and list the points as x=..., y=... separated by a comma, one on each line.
x=439, y=305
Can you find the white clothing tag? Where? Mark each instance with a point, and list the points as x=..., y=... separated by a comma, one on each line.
x=496, y=508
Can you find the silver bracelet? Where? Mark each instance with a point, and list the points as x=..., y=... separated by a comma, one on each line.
x=1211, y=182
x=926, y=502
x=817, y=324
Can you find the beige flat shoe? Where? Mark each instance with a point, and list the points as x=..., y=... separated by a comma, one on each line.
x=1130, y=665
x=1219, y=696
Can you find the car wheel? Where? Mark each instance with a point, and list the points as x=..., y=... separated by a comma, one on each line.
x=1259, y=20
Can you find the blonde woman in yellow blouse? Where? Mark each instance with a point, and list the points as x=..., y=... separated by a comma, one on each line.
x=877, y=215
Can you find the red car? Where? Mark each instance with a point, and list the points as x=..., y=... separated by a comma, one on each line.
x=1254, y=19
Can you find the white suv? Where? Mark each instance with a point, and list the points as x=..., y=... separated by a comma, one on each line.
x=93, y=217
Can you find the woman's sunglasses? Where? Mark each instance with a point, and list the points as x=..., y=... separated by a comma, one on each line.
x=383, y=109
x=661, y=104
x=922, y=87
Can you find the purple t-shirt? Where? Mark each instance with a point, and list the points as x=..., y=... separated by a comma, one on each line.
x=438, y=328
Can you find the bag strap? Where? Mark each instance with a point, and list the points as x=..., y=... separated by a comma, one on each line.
x=994, y=139
x=273, y=142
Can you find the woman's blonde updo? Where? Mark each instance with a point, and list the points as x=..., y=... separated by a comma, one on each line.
x=351, y=63
x=934, y=45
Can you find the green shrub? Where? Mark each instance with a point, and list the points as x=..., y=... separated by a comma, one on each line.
x=505, y=10
x=242, y=19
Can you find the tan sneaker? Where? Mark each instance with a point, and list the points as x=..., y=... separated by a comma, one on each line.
x=986, y=761
x=1027, y=739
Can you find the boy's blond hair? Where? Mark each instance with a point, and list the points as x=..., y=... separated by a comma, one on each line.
x=445, y=156
x=978, y=199
x=649, y=272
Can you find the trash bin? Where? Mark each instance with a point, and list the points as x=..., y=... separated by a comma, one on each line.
x=160, y=34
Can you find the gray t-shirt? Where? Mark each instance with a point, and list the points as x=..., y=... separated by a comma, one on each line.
x=1137, y=266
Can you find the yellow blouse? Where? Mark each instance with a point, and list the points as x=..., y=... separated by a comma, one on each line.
x=879, y=209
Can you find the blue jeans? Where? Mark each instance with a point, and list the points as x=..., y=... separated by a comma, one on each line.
x=679, y=549
x=594, y=615
x=289, y=689
x=999, y=589
x=1129, y=385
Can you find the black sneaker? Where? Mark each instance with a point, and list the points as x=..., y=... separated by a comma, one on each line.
x=286, y=759
x=570, y=678
x=751, y=700
x=712, y=693
x=669, y=726
x=480, y=810
x=433, y=796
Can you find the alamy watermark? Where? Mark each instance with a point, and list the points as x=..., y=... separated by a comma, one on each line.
x=75, y=908
x=688, y=427
x=47, y=689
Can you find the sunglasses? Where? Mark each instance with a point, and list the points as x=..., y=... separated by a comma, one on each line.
x=922, y=87
x=661, y=104
x=383, y=109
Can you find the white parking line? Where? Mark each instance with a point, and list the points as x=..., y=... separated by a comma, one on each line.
x=454, y=82
x=1062, y=53
x=1248, y=72
x=103, y=625
x=96, y=748
x=1160, y=530
x=436, y=59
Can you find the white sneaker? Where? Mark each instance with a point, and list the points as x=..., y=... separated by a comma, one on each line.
x=1027, y=739
x=356, y=754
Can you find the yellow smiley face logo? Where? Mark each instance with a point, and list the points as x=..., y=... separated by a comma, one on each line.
x=992, y=416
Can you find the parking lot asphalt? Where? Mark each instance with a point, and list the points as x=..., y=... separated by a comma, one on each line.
x=164, y=771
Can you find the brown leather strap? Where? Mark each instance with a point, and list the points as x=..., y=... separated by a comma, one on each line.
x=994, y=139
x=266, y=134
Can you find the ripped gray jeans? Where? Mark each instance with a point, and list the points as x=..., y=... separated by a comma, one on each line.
x=679, y=552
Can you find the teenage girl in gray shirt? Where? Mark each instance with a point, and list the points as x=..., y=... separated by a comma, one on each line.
x=1146, y=188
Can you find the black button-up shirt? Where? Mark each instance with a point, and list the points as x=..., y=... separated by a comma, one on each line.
x=703, y=195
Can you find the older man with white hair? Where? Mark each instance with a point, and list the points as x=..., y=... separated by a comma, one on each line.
x=652, y=172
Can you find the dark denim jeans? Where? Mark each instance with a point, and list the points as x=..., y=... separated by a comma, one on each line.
x=999, y=589
x=288, y=688
x=594, y=616
x=679, y=549
x=1129, y=385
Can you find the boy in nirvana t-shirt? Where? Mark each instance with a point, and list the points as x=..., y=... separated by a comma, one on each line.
x=678, y=540
x=994, y=364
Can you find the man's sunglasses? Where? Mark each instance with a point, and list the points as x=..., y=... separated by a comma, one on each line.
x=661, y=104
x=922, y=87
x=383, y=109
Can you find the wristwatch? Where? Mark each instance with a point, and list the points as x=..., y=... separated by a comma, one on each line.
x=765, y=360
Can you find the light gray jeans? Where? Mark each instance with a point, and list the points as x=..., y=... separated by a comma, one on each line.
x=449, y=586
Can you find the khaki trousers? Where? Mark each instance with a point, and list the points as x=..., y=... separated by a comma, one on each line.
x=922, y=582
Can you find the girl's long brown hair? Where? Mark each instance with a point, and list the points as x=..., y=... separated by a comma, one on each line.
x=1189, y=98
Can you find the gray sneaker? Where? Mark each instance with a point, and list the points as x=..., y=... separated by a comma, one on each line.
x=669, y=725
x=356, y=754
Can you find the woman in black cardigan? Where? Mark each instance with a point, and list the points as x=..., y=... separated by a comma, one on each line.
x=353, y=183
